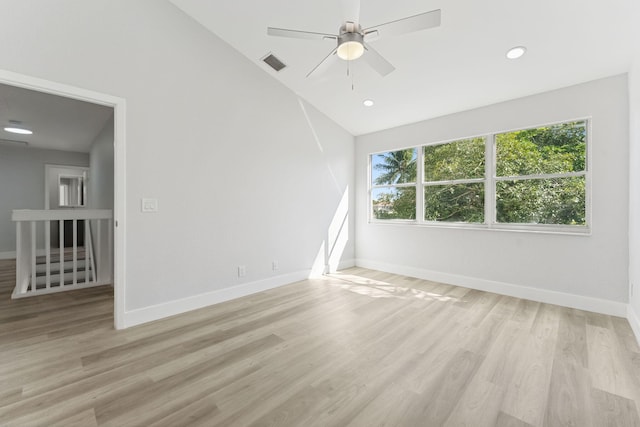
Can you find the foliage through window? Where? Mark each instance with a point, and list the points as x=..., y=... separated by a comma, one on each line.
x=527, y=177
x=454, y=181
x=394, y=184
x=541, y=175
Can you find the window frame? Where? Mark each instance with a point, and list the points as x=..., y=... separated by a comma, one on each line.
x=372, y=187
x=424, y=184
x=490, y=181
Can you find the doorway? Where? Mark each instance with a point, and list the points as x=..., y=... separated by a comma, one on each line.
x=65, y=188
x=119, y=184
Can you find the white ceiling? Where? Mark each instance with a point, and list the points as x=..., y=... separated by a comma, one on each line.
x=458, y=66
x=57, y=123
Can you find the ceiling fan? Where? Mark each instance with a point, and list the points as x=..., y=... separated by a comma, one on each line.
x=353, y=41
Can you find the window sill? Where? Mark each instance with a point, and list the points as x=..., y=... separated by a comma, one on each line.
x=509, y=228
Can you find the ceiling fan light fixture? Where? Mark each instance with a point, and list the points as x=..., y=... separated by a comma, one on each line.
x=350, y=42
x=350, y=50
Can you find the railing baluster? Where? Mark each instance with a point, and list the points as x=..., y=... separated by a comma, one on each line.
x=47, y=249
x=61, y=260
x=19, y=255
x=75, y=251
x=33, y=256
x=99, y=254
x=87, y=251
x=92, y=248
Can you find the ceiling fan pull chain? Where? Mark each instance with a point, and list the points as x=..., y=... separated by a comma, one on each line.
x=353, y=85
x=350, y=74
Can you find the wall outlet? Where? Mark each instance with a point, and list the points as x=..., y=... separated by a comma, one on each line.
x=242, y=270
x=274, y=265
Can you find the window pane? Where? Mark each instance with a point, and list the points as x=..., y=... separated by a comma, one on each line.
x=454, y=203
x=462, y=159
x=542, y=201
x=394, y=167
x=394, y=203
x=550, y=149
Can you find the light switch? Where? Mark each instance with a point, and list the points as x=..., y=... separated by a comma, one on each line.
x=149, y=205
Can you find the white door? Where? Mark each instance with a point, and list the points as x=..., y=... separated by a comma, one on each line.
x=65, y=188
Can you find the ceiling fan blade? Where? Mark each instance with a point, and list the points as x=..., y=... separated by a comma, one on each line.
x=377, y=62
x=351, y=10
x=318, y=69
x=297, y=34
x=419, y=22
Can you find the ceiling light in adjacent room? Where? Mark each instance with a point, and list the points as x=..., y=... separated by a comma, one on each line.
x=516, y=52
x=368, y=103
x=16, y=127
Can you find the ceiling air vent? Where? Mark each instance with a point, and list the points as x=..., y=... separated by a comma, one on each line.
x=273, y=62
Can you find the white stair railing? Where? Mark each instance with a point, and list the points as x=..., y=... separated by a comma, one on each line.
x=41, y=269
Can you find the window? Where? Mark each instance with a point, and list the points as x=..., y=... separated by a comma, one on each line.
x=541, y=175
x=530, y=178
x=454, y=175
x=393, y=184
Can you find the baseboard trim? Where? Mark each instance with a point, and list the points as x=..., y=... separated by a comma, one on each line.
x=171, y=308
x=580, y=302
x=8, y=255
x=56, y=290
x=347, y=263
x=634, y=321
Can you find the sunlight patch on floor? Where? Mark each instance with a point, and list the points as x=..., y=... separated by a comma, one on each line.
x=379, y=289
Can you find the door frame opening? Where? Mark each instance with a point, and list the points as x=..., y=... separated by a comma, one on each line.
x=119, y=172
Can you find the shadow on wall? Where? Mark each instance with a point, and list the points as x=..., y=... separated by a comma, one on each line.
x=332, y=248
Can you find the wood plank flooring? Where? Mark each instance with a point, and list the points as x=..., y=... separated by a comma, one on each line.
x=359, y=348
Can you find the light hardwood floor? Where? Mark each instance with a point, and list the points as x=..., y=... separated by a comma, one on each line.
x=360, y=348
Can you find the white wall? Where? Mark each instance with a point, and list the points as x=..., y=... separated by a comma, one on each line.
x=22, y=184
x=100, y=191
x=634, y=183
x=243, y=171
x=100, y=186
x=585, y=271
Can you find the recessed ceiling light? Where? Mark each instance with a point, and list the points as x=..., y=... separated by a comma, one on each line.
x=368, y=103
x=516, y=52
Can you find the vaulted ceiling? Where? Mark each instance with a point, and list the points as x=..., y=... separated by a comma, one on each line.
x=458, y=66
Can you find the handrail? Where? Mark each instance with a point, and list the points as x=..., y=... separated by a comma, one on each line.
x=84, y=263
x=58, y=214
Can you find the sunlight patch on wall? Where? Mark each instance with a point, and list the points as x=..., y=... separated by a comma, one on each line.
x=332, y=248
x=338, y=233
